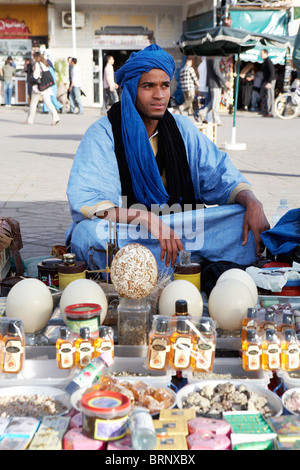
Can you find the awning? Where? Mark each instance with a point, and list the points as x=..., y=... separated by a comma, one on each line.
x=264, y=22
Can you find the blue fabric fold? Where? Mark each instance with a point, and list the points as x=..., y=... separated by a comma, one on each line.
x=147, y=183
x=285, y=236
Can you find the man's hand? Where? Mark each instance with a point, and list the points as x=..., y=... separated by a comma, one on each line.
x=254, y=219
x=170, y=244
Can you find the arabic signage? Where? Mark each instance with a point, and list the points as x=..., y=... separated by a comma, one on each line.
x=13, y=29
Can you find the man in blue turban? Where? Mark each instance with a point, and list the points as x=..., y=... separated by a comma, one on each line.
x=140, y=158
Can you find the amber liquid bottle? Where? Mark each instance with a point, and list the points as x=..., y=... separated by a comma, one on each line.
x=65, y=351
x=104, y=342
x=268, y=323
x=290, y=356
x=13, y=350
x=204, y=348
x=181, y=345
x=287, y=322
x=250, y=322
x=271, y=357
x=159, y=346
x=84, y=348
x=251, y=351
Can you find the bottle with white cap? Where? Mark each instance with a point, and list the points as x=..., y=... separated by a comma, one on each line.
x=282, y=209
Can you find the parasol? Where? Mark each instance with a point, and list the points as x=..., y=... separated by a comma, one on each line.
x=223, y=41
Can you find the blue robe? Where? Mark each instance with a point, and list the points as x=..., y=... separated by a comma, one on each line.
x=213, y=233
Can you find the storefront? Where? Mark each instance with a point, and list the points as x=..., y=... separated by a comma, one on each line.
x=23, y=28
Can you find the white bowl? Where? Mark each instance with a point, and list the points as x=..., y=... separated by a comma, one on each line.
x=286, y=396
x=274, y=401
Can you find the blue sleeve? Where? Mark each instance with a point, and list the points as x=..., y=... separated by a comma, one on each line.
x=94, y=175
x=213, y=174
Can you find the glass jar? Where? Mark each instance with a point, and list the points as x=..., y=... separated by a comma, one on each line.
x=133, y=321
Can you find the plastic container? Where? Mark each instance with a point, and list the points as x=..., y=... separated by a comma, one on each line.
x=85, y=315
x=282, y=209
x=105, y=415
x=132, y=369
x=48, y=271
x=142, y=430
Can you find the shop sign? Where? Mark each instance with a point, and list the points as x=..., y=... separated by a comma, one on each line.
x=15, y=47
x=121, y=41
x=13, y=29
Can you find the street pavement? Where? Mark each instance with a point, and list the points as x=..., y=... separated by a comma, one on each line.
x=35, y=162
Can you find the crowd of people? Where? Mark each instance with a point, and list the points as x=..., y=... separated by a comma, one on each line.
x=202, y=87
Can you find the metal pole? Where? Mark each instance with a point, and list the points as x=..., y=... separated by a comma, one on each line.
x=73, y=26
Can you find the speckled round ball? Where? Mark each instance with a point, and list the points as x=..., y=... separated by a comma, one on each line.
x=134, y=271
x=228, y=304
x=30, y=300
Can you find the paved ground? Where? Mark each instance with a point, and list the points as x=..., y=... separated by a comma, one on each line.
x=35, y=162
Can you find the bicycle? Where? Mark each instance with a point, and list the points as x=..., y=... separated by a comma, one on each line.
x=287, y=105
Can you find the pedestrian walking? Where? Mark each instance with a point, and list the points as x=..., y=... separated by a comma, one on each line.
x=189, y=84
x=109, y=84
x=203, y=88
x=215, y=82
x=28, y=69
x=57, y=104
x=8, y=71
x=75, y=88
x=41, y=65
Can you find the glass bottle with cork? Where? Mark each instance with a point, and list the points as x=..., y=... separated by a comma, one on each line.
x=65, y=350
x=204, y=346
x=159, y=344
x=290, y=356
x=84, y=348
x=270, y=346
x=181, y=345
x=105, y=341
x=251, y=351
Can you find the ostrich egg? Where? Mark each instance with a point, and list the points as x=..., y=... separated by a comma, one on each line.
x=177, y=290
x=228, y=304
x=134, y=271
x=241, y=275
x=30, y=300
x=83, y=291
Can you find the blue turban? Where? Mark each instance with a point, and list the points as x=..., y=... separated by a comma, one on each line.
x=146, y=180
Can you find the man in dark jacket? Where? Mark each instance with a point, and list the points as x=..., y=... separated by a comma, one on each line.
x=215, y=81
x=268, y=86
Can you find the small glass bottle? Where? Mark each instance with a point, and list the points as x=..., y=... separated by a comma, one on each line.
x=271, y=357
x=90, y=374
x=105, y=341
x=65, y=351
x=84, y=348
x=159, y=345
x=181, y=345
x=269, y=322
x=133, y=321
x=290, y=358
x=143, y=435
x=251, y=351
x=249, y=322
x=13, y=349
x=181, y=308
x=204, y=347
x=287, y=322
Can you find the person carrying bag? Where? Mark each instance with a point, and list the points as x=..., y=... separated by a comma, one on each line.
x=42, y=81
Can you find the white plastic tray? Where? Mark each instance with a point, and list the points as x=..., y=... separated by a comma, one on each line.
x=234, y=366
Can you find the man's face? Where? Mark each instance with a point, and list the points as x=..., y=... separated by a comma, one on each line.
x=153, y=94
